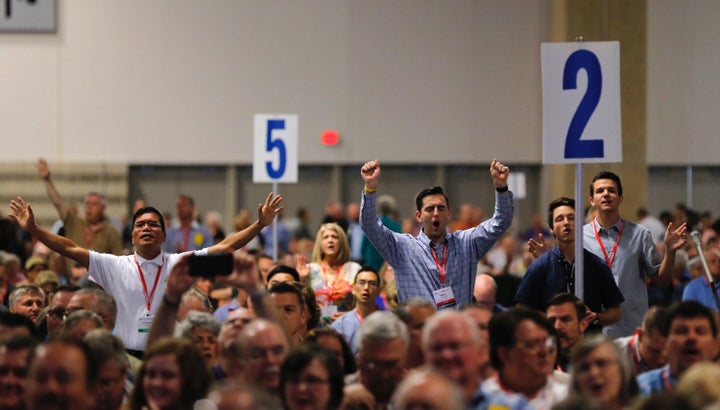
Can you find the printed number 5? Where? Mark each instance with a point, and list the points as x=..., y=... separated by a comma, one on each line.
x=574, y=147
x=278, y=144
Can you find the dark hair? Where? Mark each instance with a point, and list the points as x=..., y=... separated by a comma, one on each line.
x=17, y=320
x=368, y=269
x=194, y=373
x=91, y=368
x=502, y=329
x=688, y=309
x=286, y=287
x=562, y=298
x=188, y=198
x=606, y=175
x=319, y=332
x=654, y=319
x=299, y=359
x=436, y=190
x=284, y=269
x=562, y=201
x=148, y=210
x=314, y=311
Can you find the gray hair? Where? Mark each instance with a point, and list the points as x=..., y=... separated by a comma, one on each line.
x=22, y=290
x=196, y=319
x=197, y=294
x=455, y=400
x=105, y=302
x=382, y=327
x=6, y=257
x=628, y=384
x=103, y=201
x=80, y=316
x=452, y=316
x=105, y=346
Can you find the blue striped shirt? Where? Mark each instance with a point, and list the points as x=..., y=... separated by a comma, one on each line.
x=416, y=273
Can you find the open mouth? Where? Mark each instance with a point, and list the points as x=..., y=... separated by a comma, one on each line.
x=436, y=224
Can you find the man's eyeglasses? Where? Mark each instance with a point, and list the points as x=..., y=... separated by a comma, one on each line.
x=371, y=283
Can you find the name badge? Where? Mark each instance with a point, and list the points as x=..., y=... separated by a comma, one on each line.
x=144, y=323
x=328, y=310
x=444, y=297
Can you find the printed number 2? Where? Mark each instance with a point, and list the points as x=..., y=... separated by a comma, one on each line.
x=278, y=144
x=574, y=147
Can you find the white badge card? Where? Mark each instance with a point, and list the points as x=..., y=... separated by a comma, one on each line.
x=329, y=310
x=144, y=323
x=444, y=297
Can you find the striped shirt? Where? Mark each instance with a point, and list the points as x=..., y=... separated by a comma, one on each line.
x=416, y=273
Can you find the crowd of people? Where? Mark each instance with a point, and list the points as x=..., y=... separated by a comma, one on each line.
x=445, y=312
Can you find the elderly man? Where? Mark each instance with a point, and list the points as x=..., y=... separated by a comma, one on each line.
x=451, y=343
x=134, y=278
x=485, y=292
x=108, y=355
x=58, y=308
x=262, y=346
x=91, y=232
x=383, y=341
x=523, y=349
x=691, y=332
x=27, y=300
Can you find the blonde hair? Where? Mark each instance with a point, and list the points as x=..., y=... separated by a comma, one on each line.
x=344, y=250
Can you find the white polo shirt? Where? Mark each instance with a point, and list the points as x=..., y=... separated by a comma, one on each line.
x=120, y=277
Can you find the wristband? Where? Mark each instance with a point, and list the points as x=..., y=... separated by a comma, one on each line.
x=502, y=189
x=368, y=190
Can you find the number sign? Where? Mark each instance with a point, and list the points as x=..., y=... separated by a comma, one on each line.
x=581, y=102
x=275, y=148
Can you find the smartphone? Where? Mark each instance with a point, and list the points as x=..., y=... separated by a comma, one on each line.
x=211, y=264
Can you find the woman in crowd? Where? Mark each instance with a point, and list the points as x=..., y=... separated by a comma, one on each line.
x=311, y=378
x=599, y=370
x=173, y=376
x=331, y=272
x=202, y=329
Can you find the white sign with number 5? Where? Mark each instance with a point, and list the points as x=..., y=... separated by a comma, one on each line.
x=581, y=102
x=275, y=148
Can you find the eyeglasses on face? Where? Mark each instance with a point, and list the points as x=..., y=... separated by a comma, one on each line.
x=547, y=343
x=361, y=283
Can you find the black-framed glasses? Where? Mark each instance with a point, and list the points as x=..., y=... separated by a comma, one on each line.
x=371, y=283
x=57, y=313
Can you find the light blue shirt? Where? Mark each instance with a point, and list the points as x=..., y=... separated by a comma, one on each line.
x=348, y=325
x=656, y=381
x=636, y=257
x=699, y=290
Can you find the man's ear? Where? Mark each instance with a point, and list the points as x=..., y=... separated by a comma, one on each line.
x=584, y=323
x=417, y=216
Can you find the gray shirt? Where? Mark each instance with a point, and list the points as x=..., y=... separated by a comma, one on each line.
x=636, y=257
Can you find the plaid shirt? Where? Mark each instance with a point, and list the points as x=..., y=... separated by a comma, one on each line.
x=416, y=273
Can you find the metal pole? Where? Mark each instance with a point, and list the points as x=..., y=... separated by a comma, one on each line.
x=579, y=222
x=275, y=228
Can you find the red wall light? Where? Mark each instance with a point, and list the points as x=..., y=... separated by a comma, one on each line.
x=330, y=138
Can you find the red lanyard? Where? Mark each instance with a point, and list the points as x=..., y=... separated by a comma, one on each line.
x=441, y=266
x=186, y=238
x=149, y=298
x=611, y=258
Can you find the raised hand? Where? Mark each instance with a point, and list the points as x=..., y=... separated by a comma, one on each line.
x=301, y=265
x=245, y=273
x=21, y=212
x=675, y=238
x=43, y=169
x=268, y=210
x=370, y=173
x=537, y=246
x=499, y=173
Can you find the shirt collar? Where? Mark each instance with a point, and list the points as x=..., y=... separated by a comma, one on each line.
x=615, y=227
x=158, y=260
x=424, y=238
